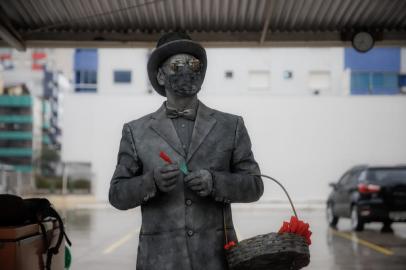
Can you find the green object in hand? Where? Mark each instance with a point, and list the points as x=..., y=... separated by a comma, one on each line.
x=183, y=168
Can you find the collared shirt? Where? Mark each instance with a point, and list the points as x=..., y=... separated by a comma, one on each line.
x=184, y=127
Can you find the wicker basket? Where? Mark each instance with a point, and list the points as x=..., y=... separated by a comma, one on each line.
x=272, y=251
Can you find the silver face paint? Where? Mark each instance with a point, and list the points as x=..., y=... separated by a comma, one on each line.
x=184, y=81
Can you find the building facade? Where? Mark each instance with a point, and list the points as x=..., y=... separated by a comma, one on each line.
x=300, y=105
x=375, y=73
x=30, y=115
x=20, y=133
x=268, y=71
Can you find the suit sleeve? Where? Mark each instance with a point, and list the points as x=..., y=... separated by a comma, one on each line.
x=130, y=188
x=239, y=185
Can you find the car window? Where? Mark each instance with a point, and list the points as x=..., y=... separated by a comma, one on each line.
x=345, y=179
x=350, y=178
x=353, y=181
x=387, y=175
x=363, y=176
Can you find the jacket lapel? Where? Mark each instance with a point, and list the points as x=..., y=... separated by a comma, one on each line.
x=164, y=127
x=203, y=124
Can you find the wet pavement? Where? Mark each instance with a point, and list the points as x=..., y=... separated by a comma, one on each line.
x=106, y=238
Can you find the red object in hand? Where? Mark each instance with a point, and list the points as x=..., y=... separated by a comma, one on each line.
x=165, y=157
x=298, y=227
x=229, y=245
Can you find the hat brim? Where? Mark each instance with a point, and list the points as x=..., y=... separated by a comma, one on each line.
x=160, y=54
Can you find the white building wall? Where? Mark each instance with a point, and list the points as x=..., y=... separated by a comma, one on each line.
x=300, y=61
x=134, y=60
x=403, y=60
x=305, y=142
x=242, y=62
x=62, y=59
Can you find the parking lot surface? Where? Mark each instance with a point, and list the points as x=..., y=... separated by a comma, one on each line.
x=106, y=238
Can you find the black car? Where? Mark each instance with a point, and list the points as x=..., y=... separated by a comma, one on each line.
x=368, y=194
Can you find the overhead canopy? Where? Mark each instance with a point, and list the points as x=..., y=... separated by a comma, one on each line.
x=138, y=23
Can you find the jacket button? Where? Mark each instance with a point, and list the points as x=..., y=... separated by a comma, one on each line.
x=219, y=199
x=188, y=202
x=190, y=232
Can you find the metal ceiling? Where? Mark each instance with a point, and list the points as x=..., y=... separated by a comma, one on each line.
x=128, y=23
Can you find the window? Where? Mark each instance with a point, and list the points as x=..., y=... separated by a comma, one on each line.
x=381, y=80
x=319, y=81
x=387, y=175
x=355, y=177
x=259, y=80
x=351, y=177
x=122, y=76
x=374, y=83
x=228, y=74
x=402, y=80
x=287, y=74
x=402, y=83
x=345, y=179
x=86, y=80
x=360, y=81
x=86, y=66
x=86, y=77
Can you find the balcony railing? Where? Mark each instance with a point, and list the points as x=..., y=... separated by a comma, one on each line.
x=15, y=135
x=18, y=119
x=15, y=101
x=15, y=152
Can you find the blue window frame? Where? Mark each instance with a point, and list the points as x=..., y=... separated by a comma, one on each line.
x=402, y=80
x=85, y=65
x=86, y=76
x=86, y=80
x=122, y=76
x=375, y=83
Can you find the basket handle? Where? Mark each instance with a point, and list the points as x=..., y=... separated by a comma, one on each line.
x=284, y=189
x=277, y=182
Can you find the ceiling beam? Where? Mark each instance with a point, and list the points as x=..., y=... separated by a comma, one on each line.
x=9, y=34
x=211, y=39
x=266, y=23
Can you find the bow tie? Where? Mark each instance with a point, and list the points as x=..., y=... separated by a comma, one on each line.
x=187, y=113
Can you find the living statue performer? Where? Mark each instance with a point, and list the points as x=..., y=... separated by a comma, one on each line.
x=182, y=164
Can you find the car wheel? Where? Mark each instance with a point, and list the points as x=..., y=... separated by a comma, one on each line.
x=356, y=222
x=387, y=228
x=331, y=218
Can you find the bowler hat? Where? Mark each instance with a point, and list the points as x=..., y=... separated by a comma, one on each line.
x=170, y=44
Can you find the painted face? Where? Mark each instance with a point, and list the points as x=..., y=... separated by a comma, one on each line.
x=182, y=74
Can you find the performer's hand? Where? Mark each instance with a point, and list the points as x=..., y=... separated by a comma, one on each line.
x=200, y=181
x=166, y=177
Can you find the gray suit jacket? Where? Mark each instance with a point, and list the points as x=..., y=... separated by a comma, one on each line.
x=181, y=230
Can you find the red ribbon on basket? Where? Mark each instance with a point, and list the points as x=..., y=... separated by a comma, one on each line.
x=297, y=226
